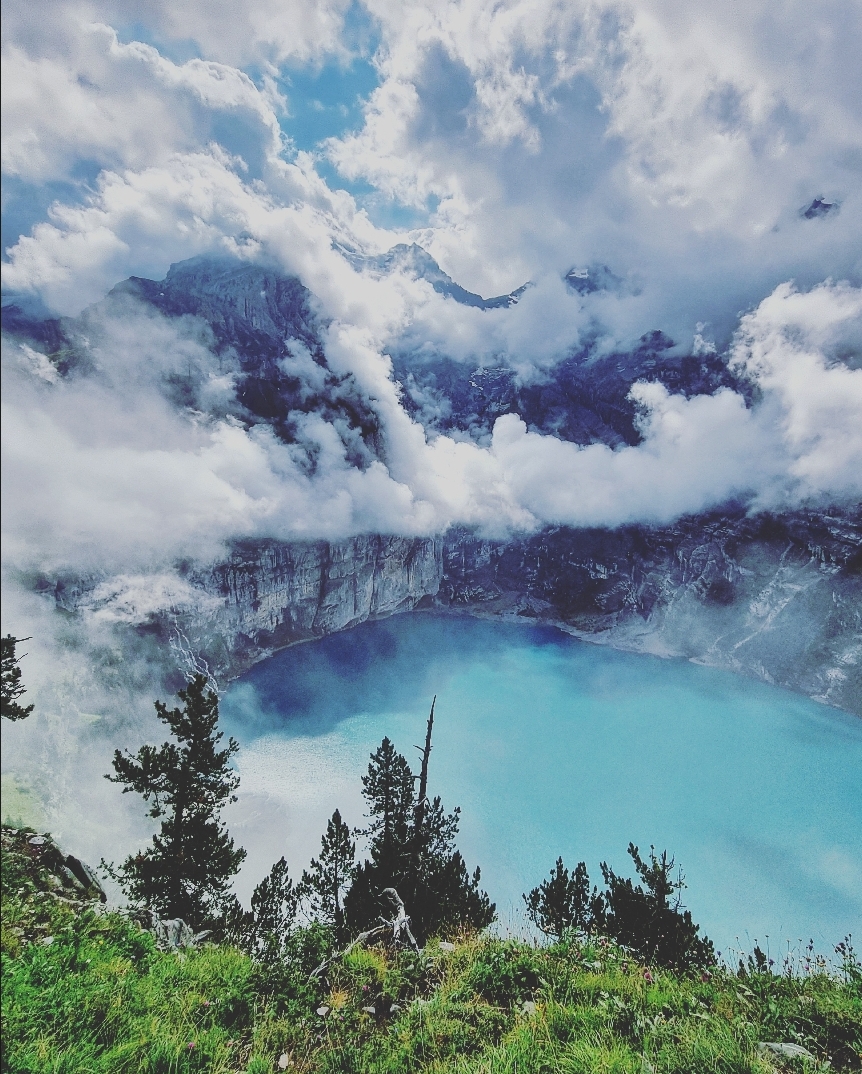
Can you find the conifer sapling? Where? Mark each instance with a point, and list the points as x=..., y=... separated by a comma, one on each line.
x=263, y=931
x=562, y=901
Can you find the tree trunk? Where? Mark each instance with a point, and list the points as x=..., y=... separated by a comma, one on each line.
x=419, y=810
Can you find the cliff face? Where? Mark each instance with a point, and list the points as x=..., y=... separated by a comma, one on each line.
x=275, y=593
x=776, y=598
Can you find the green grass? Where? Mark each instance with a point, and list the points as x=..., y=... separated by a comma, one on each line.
x=100, y=997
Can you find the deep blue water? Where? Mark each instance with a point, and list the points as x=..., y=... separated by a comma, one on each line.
x=556, y=747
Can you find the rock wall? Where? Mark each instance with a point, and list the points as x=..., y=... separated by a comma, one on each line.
x=277, y=593
x=779, y=598
x=774, y=597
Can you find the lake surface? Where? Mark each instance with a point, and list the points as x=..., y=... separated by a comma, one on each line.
x=557, y=747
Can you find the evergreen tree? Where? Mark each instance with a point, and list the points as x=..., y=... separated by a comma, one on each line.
x=11, y=687
x=412, y=848
x=328, y=877
x=650, y=919
x=388, y=790
x=562, y=902
x=264, y=929
x=187, y=782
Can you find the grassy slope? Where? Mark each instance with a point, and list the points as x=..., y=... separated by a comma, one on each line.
x=100, y=997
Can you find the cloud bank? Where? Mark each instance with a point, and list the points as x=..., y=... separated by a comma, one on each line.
x=104, y=469
x=678, y=148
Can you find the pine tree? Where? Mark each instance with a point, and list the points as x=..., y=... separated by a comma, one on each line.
x=562, y=902
x=412, y=849
x=650, y=919
x=11, y=687
x=388, y=789
x=327, y=879
x=264, y=929
x=187, y=871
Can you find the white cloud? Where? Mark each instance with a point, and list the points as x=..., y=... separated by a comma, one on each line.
x=795, y=346
x=237, y=33
x=801, y=441
x=123, y=105
x=696, y=453
x=133, y=599
x=230, y=32
x=631, y=134
x=102, y=469
x=673, y=143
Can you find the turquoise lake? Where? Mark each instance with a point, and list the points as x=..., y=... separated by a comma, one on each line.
x=551, y=747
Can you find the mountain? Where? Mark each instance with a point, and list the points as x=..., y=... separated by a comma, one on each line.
x=418, y=263
x=584, y=400
x=778, y=597
x=818, y=208
x=265, y=330
x=261, y=329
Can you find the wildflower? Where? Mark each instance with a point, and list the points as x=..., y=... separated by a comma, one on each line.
x=191, y=1045
x=704, y=976
x=647, y=976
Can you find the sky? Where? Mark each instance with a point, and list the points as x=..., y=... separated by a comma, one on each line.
x=679, y=145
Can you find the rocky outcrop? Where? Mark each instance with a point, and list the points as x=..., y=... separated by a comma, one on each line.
x=36, y=864
x=276, y=593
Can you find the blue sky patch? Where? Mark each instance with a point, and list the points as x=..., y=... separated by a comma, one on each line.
x=26, y=203
x=325, y=102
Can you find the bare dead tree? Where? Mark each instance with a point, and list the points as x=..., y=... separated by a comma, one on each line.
x=399, y=925
x=423, y=772
x=421, y=799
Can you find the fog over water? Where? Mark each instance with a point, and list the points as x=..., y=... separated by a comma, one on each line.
x=552, y=746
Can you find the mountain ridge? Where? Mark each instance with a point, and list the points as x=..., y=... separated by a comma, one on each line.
x=778, y=597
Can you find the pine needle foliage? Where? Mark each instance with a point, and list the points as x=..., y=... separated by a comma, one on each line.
x=264, y=930
x=329, y=876
x=11, y=687
x=649, y=917
x=187, y=871
x=562, y=901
